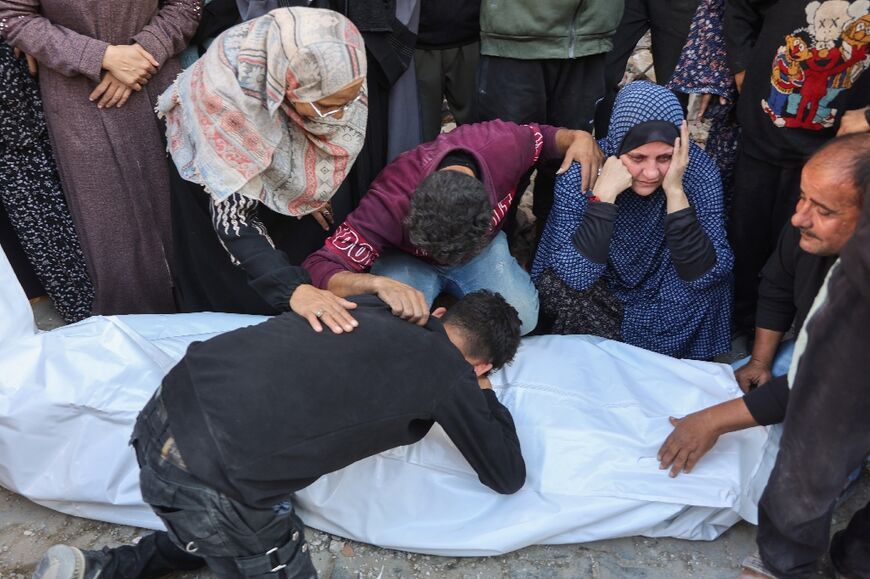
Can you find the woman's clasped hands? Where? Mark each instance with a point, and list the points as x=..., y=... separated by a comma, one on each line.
x=127, y=68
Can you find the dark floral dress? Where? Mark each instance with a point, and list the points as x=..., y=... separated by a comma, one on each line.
x=30, y=192
x=703, y=68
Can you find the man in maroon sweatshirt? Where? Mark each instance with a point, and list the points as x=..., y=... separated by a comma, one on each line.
x=432, y=220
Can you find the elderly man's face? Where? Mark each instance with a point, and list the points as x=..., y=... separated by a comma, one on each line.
x=828, y=209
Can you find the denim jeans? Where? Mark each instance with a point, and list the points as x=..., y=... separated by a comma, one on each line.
x=493, y=269
x=781, y=362
x=236, y=540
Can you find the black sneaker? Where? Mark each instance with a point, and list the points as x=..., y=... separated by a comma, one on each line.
x=65, y=562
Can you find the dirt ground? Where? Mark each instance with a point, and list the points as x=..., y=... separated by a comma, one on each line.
x=27, y=530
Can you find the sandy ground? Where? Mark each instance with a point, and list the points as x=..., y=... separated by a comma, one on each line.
x=27, y=530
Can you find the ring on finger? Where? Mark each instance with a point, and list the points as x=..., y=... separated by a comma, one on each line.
x=318, y=314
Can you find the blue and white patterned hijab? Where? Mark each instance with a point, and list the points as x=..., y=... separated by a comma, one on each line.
x=638, y=248
x=637, y=103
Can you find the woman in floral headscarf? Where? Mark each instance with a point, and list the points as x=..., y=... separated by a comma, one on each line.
x=263, y=128
x=642, y=258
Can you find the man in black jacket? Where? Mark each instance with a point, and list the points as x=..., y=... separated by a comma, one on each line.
x=823, y=401
x=832, y=195
x=250, y=416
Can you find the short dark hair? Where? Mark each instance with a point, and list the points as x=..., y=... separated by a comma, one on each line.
x=450, y=216
x=850, y=154
x=490, y=325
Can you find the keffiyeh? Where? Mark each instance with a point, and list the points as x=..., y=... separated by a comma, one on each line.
x=230, y=127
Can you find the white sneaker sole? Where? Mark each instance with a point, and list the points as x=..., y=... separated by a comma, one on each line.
x=61, y=562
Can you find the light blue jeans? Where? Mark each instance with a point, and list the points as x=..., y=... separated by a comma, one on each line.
x=781, y=362
x=493, y=269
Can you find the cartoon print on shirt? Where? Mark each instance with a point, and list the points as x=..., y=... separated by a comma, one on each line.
x=856, y=37
x=818, y=62
x=787, y=75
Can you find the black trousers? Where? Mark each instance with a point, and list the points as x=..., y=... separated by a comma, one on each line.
x=763, y=200
x=17, y=258
x=235, y=540
x=668, y=22
x=448, y=73
x=826, y=436
x=154, y=556
x=562, y=93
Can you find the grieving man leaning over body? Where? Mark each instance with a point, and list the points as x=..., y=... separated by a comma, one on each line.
x=226, y=440
x=824, y=220
x=432, y=220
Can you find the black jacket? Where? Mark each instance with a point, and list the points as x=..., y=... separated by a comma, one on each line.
x=266, y=410
x=790, y=280
x=789, y=283
x=448, y=23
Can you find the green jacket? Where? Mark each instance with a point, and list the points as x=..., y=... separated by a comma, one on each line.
x=533, y=29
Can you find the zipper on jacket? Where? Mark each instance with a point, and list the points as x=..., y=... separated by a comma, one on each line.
x=572, y=31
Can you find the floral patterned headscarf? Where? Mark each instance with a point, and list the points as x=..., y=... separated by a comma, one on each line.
x=230, y=127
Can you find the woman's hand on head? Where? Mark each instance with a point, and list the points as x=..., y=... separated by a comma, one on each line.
x=673, y=182
x=613, y=180
x=131, y=64
x=111, y=92
x=321, y=307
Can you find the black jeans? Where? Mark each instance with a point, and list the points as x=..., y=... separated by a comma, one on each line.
x=448, y=73
x=826, y=436
x=562, y=93
x=11, y=245
x=235, y=539
x=763, y=199
x=668, y=22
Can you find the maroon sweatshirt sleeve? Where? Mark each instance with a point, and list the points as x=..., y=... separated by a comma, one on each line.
x=520, y=146
x=550, y=151
x=375, y=224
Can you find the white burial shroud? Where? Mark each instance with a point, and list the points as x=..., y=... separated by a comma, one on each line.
x=590, y=414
